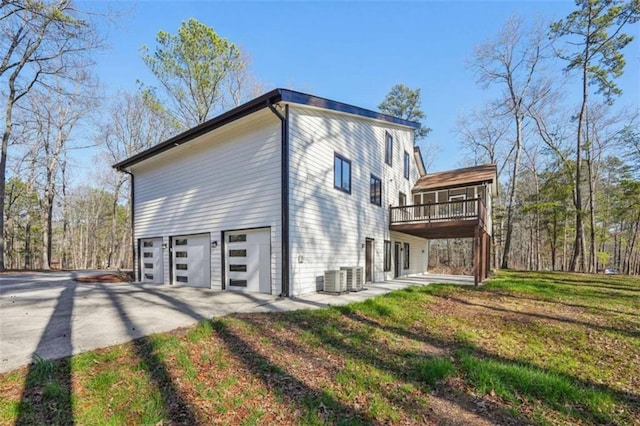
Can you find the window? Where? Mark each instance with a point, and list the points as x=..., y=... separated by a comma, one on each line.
x=387, y=255
x=406, y=255
x=238, y=283
x=148, y=265
x=342, y=173
x=181, y=242
x=238, y=253
x=182, y=279
x=457, y=205
x=375, y=190
x=148, y=254
x=406, y=164
x=388, y=149
x=402, y=199
x=237, y=238
x=181, y=266
x=147, y=244
x=181, y=254
x=238, y=268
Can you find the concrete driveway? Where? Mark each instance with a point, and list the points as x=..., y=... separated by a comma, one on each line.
x=51, y=316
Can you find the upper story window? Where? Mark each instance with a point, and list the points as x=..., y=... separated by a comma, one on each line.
x=375, y=190
x=342, y=173
x=406, y=164
x=388, y=149
x=402, y=199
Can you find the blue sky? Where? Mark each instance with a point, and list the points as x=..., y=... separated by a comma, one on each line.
x=352, y=52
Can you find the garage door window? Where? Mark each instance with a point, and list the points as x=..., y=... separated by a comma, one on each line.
x=239, y=238
x=182, y=279
x=147, y=244
x=238, y=283
x=181, y=266
x=181, y=242
x=238, y=268
x=237, y=253
x=181, y=254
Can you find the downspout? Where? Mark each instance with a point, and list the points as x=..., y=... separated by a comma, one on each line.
x=133, y=240
x=284, y=206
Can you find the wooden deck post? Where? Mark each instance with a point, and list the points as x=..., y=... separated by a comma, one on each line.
x=488, y=254
x=476, y=256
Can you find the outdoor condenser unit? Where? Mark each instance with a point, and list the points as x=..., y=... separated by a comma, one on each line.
x=354, y=277
x=335, y=281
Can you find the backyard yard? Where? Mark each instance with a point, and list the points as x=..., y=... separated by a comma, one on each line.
x=526, y=348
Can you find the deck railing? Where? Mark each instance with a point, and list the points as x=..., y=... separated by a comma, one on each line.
x=473, y=209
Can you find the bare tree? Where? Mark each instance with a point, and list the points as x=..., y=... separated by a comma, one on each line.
x=40, y=40
x=512, y=62
x=55, y=113
x=134, y=124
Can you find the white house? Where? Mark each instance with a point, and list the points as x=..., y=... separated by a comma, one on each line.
x=270, y=195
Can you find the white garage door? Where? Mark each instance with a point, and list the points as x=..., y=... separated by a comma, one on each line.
x=192, y=260
x=248, y=260
x=151, y=260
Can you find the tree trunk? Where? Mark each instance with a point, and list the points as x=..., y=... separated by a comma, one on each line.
x=592, y=221
x=8, y=125
x=512, y=194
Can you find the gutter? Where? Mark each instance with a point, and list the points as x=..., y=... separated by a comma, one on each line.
x=284, y=206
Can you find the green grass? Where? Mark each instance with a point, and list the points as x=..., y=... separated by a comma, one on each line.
x=541, y=348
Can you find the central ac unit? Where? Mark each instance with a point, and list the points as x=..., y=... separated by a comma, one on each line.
x=355, y=280
x=335, y=281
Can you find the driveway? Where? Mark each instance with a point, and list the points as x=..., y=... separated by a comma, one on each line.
x=48, y=315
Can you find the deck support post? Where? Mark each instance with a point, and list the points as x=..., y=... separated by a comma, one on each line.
x=487, y=260
x=476, y=256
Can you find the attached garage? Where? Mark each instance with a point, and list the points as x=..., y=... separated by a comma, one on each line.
x=248, y=260
x=191, y=260
x=151, y=265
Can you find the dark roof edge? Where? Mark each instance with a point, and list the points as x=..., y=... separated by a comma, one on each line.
x=316, y=101
x=272, y=97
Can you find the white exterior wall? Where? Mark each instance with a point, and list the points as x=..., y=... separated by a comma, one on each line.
x=225, y=180
x=328, y=227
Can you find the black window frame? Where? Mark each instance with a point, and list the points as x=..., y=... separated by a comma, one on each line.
x=387, y=256
x=406, y=164
x=405, y=258
x=375, y=197
x=388, y=148
x=402, y=196
x=343, y=160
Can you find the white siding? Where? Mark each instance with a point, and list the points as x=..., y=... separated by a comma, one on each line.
x=328, y=227
x=225, y=180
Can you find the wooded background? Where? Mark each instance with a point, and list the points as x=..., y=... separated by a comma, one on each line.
x=569, y=166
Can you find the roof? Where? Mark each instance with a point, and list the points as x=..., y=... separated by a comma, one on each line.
x=456, y=178
x=270, y=98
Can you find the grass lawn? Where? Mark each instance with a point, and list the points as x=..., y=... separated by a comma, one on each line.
x=527, y=348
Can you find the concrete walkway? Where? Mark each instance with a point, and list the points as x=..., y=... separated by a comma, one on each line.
x=51, y=315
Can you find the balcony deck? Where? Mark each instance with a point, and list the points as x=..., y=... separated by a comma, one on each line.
x=449, y=219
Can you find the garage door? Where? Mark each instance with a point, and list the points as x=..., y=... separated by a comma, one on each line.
x=191, y=260
x=151, y=264
x=248, y=260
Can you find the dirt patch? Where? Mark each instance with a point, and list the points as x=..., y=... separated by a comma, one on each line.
x=120, y=277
